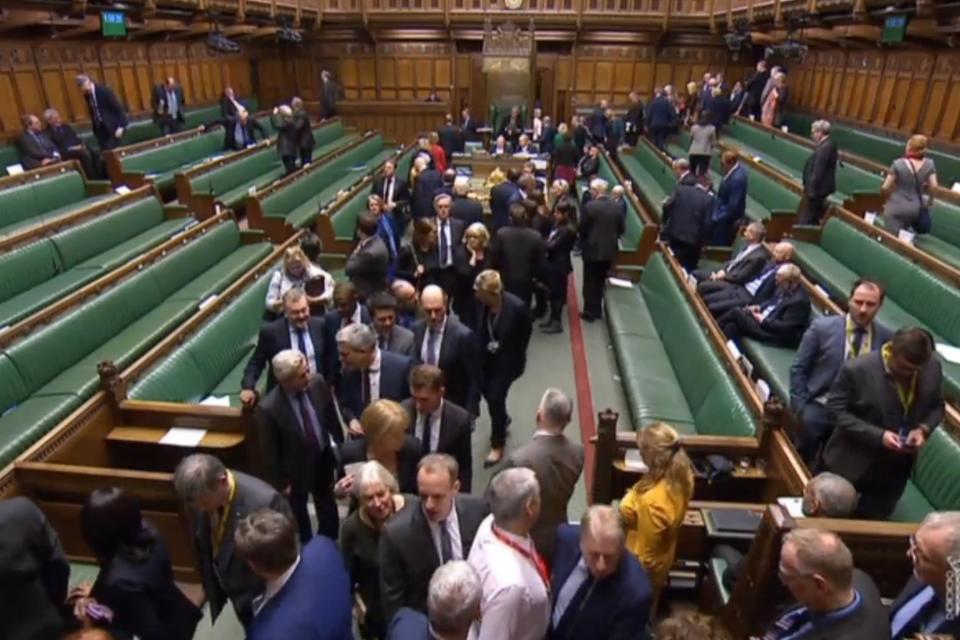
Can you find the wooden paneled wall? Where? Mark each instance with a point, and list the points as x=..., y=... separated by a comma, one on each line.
x=37, y=75
x=903, y=91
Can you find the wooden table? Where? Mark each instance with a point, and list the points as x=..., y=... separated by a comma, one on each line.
x=153, y=435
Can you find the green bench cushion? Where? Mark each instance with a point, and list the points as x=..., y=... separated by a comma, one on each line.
x=224, y=273
x=32, y=419
x=130, y=249
x=35, y=298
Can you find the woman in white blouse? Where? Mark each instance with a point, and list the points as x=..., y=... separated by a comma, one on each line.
x=298, y=271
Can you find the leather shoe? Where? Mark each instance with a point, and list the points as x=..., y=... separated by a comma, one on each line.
x=493, y=458
x=587, y=317
x=553, y=327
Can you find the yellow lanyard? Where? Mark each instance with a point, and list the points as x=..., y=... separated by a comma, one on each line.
x=864, y=344
x=222, y=524
x=906, y=396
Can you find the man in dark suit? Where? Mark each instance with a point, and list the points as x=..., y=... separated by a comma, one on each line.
x=633, y=121
x=230, y=106
x=598, y=122
x=297, y=428
x=661, y=118
x=394, y=192
x=369, y=263
x=721, y=296
x=519, y=254
x=923, y=606
x=686, y=216
x=884, y=406
x=615, y=133
x=826, y=345
x=36, y=149
x=108, y=118
x=219, y=498
x=330, y=94
x=549, y=133
x=303, y=131
x=556, y=461
x=453, y=606
x=424, y=190
x=34, y=573
x=464, y=208
x=834, y=599
x=288, y=137
x=819, y=174
x=240, y=131
x=501, y=196
x=753, y=104
x=295, y=330
x=438, y=424
x=346, y=310
x=601, y=226
x=780, y=321
x=441, y=528
x=468, y=126
x=307, y=590
x=600, y=588
x=744, y=267
x=390, y=336
x=503, y=328
x=449, y=237
x=69, y=144
x=442, y=340
x=450, y=137
x=731, y=204
x=167, y=103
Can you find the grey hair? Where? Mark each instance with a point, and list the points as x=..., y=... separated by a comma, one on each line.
x=286, y=364
x=440, y=197
x=196, y=475
x=599, y=185
x=461, y=185
x=681, y=164
x=420, y=163
x=951, y=521
x=49, y=113
x=823, y=126
x=556, y=407
x=293, y=294
x=82, y=79
x=453, y=597
x=374, y=473
x=357, y=336
x=296, y=103
x=602, y=519
x=837, y=497
x=757, y=226
x=510, y=492
x=789, y=270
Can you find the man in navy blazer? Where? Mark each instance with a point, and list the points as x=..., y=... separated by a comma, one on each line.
x=600, y=589
x=307, y=591
x=108, y=118
x=453, y=605
x=369, y=373
x=826, y=345
x=346, y=310
x=296, y=330
x=661, y=117
x=780, y=321
x=731, y=204
x=501, y=196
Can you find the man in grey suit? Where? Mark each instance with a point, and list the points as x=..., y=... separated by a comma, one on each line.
x=369, y=263
x=884, y=405
x=390, y=336
x=826, y=345
x=219, y=498
x=744, y=267
x=297, y=427
x=418, y=540
x=556, y=461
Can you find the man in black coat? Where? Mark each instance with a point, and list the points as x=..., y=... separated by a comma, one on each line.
x=519, y=254
x=601, y=226
x=579, y=134
x=753, y=104
x=424, y=190
x=468, y=125
x=393, y=190
x=296, y=330
x=780, y=321
x=296, y=427
x=405, y=575
x=743, y=267
x=346, y=310
x=36, y=149
x=464, y=208
x=722, y=296
x=69, y=144
x=444, y=341
x=369, y=263
x=449, y=237
x=503, y=327
x=686, y=216
x=240, y=131
x=108, y=118
x=288, y=137
x=230, y=106
x=661, y=118
x=500, y=198
x=330, y=94
x=34, y=573
x=819, y=174
x=440, y=425
x=168, y=104
x=450, y=138
x=633, y=121
x=303, y=131
x=598, y=123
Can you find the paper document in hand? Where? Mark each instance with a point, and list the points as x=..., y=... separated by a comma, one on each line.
x=634, y=462
x=216, y=401
x=949, y=353
x=793, y=505
x=181, y=437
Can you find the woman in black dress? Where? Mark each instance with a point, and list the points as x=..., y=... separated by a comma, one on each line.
x=417, y=260
x=470, y=258
x=559, y=245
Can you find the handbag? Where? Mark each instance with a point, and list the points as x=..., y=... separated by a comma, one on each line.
x=924, y=222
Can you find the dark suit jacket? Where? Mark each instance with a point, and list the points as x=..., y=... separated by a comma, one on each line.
x=32, y=151
x=226, y=575
x=789, y=319
x=634, y=117
x=559, y=246
x=367, y=267
x=660, y=113
x=145, y=599
x=409, y=624
x=332, y=323
x=601, y=226
x=450, y=140
x=454, y=437
x=227, y=108
x=405, y=576
x=401, y=190
x=519, y=254
x=400, y=341
x=63, y=137
x=159, y=104
x=229, y=132
x=500, y=198
x=511, y=329
x=459, y=359
x=288, y=135
x=285, y=457
x=329, y=96
x=466, y=210
x=34, y=573
x=820, y=170
x=914, y=586
x=755, y=85
x=589, y=166
x=457, y=227
x=820, y=357
x=557, y=462
x=748, y=268
x=394, y=384
x=687, y=213
x=863, y=403
x=112, y=113
x=304, y=130
x=598, y=124
x=469, y=128
x=423, y=192
x=314, y=604
x=619, y=605
x=275, y=337
x=356, y=451
x=731, y=202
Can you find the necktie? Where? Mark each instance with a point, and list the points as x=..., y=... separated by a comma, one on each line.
x=427, y=432
x=302, y=345
x=310, y=428
x=446, y=549
x=383, y=343
x=97, y=119
x=565, y=614
x=432, y=347
x=387, y=188
x=912, y=617
x=366, y=387
x=858, y=335
x=443, y=243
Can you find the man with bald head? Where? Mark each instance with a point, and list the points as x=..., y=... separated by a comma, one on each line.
x=408, y=305
x=721, y=295
x=780, y=321
x=444, y=341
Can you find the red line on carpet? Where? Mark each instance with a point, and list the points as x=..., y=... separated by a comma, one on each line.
x=581, y=377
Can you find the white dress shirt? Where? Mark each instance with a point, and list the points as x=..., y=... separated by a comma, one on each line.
x=515, y=602
x=434, y=428
x=452, y=525
x=374, y=372
x=273, y=587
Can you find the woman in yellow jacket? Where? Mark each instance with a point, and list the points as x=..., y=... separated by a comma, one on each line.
x=654, y=508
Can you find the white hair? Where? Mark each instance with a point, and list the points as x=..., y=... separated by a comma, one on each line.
x=823, y=126
x=837, y=497
x=510, y=492
x=599, y=185
x=453, y=597
x=556, y=407
x=420, y=163
x=357, y=336
x=82, y=80
x=374, y=473
x=286, y=364
x=789, y=270
x=681, y=164
x=461, y=185
x=946, y=520
x=49, y=113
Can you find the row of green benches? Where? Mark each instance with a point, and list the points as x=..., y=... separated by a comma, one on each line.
x=32, y=201
x=630, y=240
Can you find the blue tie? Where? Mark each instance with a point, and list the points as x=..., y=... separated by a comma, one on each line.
x=302, y=344
x=912, y=617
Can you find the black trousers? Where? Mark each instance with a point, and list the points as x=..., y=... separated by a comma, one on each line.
x=594, y=279
x=816, y=429
x=658, y=137
x=812, y=211
x=699, y=164
x=306, y=157
x=107, y=140
x=328, y=519
x=722, y=299
x=169, y=126
x=496, y=387
x=688, y=255
x=557, y=292
x=740, y=323
x=523, y=289
x=289, y=163
x=87, y=159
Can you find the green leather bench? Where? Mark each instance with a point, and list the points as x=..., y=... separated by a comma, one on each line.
x=161, y=164
x=36, y=201
x=299, y=202
x=231, y=183
x=211, y=361
x=653, y=180
x=37, y=274
x=9, y=154
x=52, y=371
x=668, y=367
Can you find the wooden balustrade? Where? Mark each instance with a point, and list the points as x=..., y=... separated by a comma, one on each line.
x=401, y=120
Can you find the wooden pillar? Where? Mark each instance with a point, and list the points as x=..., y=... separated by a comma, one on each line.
x=605, y=452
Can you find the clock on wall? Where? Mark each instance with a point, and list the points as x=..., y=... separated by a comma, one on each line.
x=513, y=4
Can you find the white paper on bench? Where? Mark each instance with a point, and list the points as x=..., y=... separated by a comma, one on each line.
x=180, y=437
x=207, y=302
x=905, y=236
x=634, y=462
x=216, y=401
x=793, y=505
x=122, y=190
x=949, y=353
x=14, y=169
x=620, y=282
x=870, y=217
x=955, y=187
x=763, y=389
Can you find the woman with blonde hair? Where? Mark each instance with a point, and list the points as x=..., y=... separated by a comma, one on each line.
x=907, y=189
x=470, y=259
x=654, y=508
x=298, y=271
x=385, y=439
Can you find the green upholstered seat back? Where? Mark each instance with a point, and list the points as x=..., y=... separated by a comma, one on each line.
x=201, y=254
x=172, y=156
x=344, y=221
x=937, y=471
x=9, y=154
x=17, y=204
x=27, y=266
x=12, y=388
x=946, y=221
x=630, y=239
x=59, y=191
x=76, y=244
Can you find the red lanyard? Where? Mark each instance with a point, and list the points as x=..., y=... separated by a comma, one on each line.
x=533, y=557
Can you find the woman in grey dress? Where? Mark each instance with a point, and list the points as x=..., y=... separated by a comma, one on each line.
x=703, y=142
x=909, y=179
